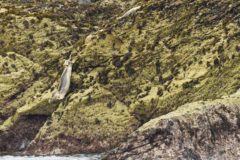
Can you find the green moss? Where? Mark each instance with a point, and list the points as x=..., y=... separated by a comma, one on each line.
x=38, y=106
x=142, y=67
x=90, y=119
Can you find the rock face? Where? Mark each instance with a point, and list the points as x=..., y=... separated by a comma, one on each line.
x=200, y=130
x=36, y=38
x=126, y=70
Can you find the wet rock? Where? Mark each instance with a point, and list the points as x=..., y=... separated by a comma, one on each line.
x=21, y=134
x=160, y=92
x=129, y=69
x=116, y=61
x=103, y=77
x=26, y=24
x=190, y=84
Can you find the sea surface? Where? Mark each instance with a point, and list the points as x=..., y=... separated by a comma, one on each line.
x=67, y=157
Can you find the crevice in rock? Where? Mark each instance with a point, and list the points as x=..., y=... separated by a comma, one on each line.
x=18, y=137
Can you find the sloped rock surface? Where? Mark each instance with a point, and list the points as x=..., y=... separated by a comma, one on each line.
x=126, y=71
x=200, y=130
x=36, y=38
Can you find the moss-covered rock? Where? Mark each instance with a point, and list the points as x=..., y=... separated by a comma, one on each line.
x=85, y=123
x=126, y=71
x=199, y=130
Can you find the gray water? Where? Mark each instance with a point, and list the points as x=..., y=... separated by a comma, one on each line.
x=70, y=157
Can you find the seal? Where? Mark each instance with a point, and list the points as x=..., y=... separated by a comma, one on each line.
x=129, y=12
x=64, y=83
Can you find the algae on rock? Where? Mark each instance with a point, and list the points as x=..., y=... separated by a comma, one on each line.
x=126, y=71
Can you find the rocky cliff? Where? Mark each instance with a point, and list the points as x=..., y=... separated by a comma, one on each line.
x=200, y=130
x=133, y=61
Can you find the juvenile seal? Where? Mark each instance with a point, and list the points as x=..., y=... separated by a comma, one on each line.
x=64, y=82
x=129, y=12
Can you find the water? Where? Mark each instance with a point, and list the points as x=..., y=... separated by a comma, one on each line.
x=70, y=157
